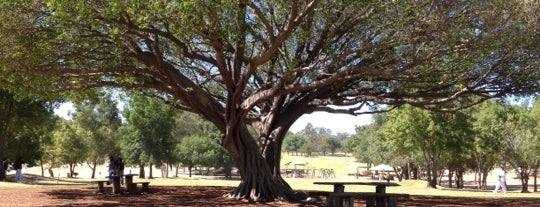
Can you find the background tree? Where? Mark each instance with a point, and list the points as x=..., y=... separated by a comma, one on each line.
x=293, y=143
x=424, y=131
x=331, y=144
x=535, y=114
x=489, y=119
x=148, y=138
x=266, y=63
x=101, y=118
x=23, y=123
x=520, y=145
x=196, y=150
x=188, y=124
x=70, y=146
x=368, y=141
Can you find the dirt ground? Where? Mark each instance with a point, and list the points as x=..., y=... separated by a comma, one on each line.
x=197, y=196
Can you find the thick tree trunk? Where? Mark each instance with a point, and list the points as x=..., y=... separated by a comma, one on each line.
x=94, y=165
x=524, y=177
x=141, y=171
x=459, y=177
x=535, y=176
x=5, y=117
x=51, y=173
x=450, y=177
x=72, y=169
x=415, y=173
x=407, y=171
x=177, y=166
x=150, y=176
x=483, y=182
x=260, y=178
x=42, y=167
x=433, y=179
x=2, y=170
x=3, y=144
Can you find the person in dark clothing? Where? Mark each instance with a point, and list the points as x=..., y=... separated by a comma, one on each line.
x=112, y=169
x=119, y=165
x=18, y=169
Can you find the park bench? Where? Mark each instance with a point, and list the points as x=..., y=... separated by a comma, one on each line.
x=372, y=198
x=101, y=184
x=145, y=187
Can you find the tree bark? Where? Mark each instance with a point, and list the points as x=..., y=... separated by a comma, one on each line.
x=5, y=117
x=51, y=173
x=141, y=171
x=177, y=166
x=483, y=181
x=524, y=177
x=150, y=176
x=42, y=167
x=461, y=182
x=93, y=167
x=535, y=176
x=260, y=176
x=450, y=177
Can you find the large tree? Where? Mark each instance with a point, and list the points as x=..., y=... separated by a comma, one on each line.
x=265, y=63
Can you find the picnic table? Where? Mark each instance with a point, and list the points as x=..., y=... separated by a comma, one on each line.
x=116, y=184
x=131, y=187
x=378, y=198
x=129, y=182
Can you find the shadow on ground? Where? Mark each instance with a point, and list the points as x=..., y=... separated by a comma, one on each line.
x=213, y=196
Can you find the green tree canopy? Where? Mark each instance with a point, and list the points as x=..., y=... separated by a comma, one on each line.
x=434, y=134
x=148, y=132
x=70, y=144
x=198, y=151
x=24, y=123
x=101, y=117
x=293, y=142
x=489, y=119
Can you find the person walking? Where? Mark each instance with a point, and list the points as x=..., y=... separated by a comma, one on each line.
x=501, y=181
x=18, y=169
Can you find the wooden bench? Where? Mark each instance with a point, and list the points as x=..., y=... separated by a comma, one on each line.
x=372, y=199
x=387, y=199
x=145, y=187
x=341, y=199
x=100, y=184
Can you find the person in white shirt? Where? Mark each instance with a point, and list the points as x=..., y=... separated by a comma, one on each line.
x=501, y=181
